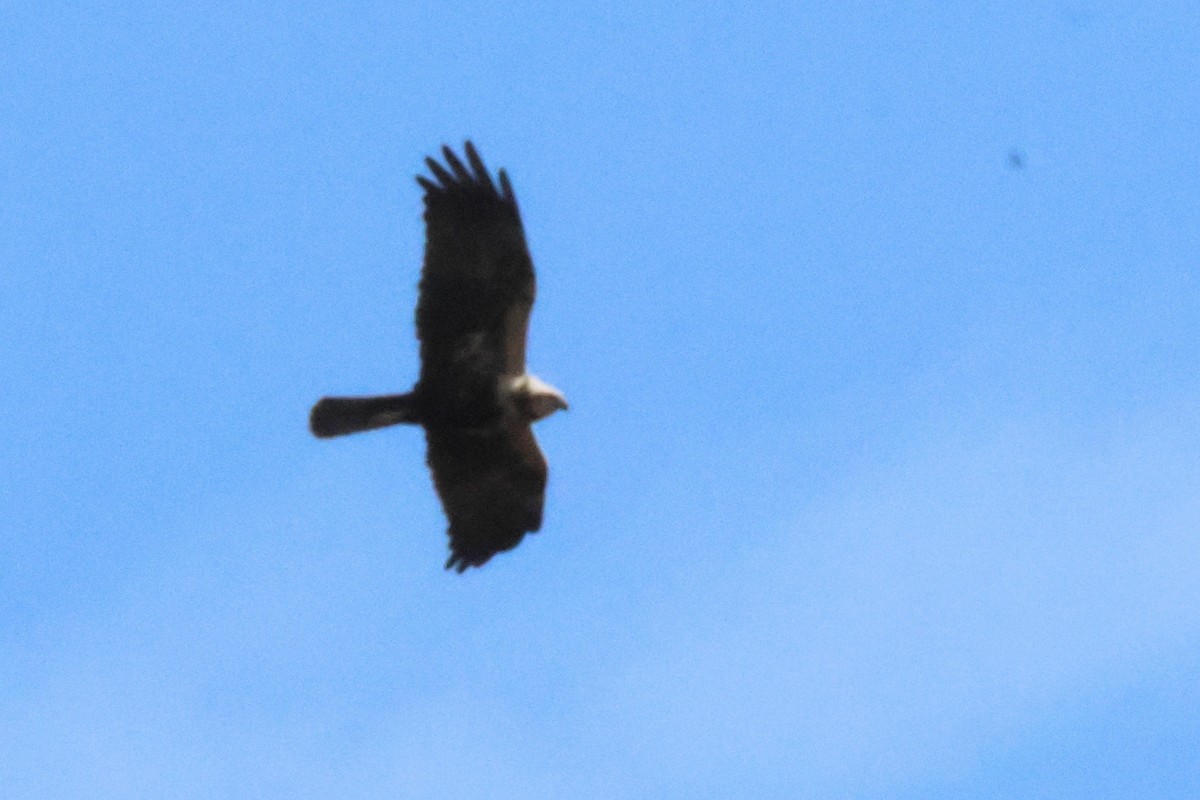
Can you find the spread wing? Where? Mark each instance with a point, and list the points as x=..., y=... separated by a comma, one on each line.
x=477, y=283
x=492, y=484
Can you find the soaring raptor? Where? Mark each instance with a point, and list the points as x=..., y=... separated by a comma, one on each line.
x=474, y=397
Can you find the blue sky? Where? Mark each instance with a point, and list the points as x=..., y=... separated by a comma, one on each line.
x=881, y=473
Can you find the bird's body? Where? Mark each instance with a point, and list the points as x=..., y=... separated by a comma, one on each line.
x=474, y=397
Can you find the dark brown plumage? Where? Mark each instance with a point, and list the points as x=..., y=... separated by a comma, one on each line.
x=474, y=397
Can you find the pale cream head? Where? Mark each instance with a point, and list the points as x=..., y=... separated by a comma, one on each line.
x=535, y=399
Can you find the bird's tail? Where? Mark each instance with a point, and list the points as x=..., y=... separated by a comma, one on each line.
x=337, y=416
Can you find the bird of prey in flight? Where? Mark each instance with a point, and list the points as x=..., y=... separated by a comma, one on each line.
x=474, y=397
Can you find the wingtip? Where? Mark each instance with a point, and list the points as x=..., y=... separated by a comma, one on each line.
x=439, y=172
x=481, y=173
x=506, y=189
x=460, y=170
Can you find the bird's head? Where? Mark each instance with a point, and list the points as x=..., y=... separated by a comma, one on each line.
x=535, y=399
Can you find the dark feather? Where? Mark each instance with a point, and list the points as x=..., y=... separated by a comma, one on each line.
x=459, y=170
x=506, y=188
x=338, y=416
x=491, y=485
x=440, y=173
x=476, y=292
x=476, y=269
x=476, y=162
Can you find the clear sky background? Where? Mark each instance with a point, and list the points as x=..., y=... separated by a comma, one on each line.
x=880, y=325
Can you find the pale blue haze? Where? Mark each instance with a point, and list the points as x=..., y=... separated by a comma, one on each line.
x=882, y=473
